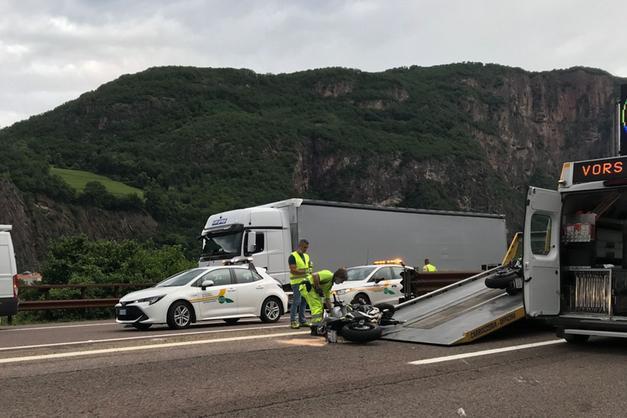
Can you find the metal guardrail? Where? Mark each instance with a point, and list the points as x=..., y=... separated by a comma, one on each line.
x=428, y=282
x=83, y=302
x=423, y=283
x=35, y=305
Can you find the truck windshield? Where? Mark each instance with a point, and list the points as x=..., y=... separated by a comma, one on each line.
x=359, y=273
x=222, y=246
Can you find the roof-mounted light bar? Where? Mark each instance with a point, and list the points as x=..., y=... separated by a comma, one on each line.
x=392, y=261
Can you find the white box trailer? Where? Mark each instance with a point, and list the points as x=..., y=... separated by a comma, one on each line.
x=8, y=273
x=575, y=257
x=343, y=234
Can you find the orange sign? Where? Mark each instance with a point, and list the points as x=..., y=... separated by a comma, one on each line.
x=587, y=171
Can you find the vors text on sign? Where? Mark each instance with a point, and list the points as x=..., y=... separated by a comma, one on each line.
x=599, y=170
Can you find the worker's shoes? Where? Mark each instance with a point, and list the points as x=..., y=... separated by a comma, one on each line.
x=294, y=325
x=305, y=324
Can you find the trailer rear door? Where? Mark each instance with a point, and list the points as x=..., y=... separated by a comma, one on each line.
x=541, y=252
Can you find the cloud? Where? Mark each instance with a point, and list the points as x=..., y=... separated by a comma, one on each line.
x=51, y=52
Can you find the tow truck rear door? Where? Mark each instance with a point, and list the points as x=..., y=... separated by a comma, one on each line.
x=541, y=252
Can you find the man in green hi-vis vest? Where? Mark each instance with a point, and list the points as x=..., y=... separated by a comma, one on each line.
x=316, y=290
x=300, y=268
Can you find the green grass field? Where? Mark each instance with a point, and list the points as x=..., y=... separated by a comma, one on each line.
x=78, y=179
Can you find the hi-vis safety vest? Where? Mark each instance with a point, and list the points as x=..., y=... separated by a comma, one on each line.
x=302, y=263
x=326, y=282
x=429, y=268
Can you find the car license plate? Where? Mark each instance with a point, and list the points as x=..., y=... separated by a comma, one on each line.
x=121, y=311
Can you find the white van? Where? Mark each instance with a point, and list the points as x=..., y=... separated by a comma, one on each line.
x=8, y=273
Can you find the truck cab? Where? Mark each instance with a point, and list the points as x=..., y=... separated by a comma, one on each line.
x=258, y=232
x=574, y=258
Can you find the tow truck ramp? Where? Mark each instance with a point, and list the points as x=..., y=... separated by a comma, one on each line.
x=456, y=314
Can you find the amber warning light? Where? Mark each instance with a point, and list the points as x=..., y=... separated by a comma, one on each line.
x=393, y=261
x=599, y=170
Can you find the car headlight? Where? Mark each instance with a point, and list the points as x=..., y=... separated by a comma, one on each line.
x=150, y=300
x=342, y=292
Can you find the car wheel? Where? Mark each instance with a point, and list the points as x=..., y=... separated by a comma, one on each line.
x=141, y=327
x=361, y=333
x=271, y=310
x=179, y=315
x=231, y=321
x=361, y=298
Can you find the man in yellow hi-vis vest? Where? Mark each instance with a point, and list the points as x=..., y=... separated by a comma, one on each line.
x=428, y=267
x=300, y=269
x=316, y=289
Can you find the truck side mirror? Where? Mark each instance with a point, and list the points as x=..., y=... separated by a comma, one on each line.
x=251, y=243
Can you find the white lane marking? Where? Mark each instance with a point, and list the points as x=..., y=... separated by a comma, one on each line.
x=142, y=337
x=57, y=327
x=485, y=352
x=146, y=347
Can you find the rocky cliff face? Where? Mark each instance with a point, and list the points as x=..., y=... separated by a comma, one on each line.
x=37, y=220
x=526, y=125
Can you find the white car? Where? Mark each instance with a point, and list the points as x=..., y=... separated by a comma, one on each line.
x=372, y=283
x=205, y=293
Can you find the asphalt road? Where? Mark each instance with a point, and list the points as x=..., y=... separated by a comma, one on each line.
x=255, y=370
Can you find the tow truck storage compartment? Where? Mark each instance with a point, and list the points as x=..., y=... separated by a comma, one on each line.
x=593, y=264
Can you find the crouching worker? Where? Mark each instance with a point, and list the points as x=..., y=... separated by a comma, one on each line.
x=316, y=289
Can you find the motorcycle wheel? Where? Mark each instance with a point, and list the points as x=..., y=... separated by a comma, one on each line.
x=512, y=291
x=361, y=333
x=500, y=280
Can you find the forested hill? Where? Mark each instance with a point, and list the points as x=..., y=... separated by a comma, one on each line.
x=200, y=140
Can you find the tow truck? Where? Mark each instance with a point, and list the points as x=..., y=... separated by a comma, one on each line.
x=575, y=260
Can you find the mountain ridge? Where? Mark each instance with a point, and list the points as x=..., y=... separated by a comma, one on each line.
x=467, y=136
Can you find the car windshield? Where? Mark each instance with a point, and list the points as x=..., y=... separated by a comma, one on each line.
x=180, y=279
x=359, y=273
x=222, y=246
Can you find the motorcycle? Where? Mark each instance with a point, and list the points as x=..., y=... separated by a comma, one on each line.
x=508, y=277
x=356, y=322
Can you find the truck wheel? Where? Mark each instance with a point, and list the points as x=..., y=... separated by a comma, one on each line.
x=576, y=338
x=179, y=315
x=141, y=327
x=361, y=298
x=270, y=310
x=361, y=333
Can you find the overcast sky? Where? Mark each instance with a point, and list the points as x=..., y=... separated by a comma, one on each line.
x=53, y=51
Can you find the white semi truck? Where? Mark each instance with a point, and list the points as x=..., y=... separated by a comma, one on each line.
x=343, y=234
x=575, y=257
